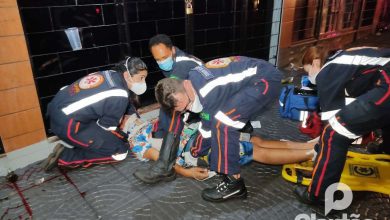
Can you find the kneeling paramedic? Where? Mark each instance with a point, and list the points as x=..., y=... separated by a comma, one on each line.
x=354, y=93
x=174, y=63
x=226, y=94
x=86, y=115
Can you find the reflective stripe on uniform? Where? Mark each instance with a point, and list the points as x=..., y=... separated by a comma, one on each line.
x=303, y=116
x=119, y=157
x=93, y=99
x=204, y=133
x=339, y=128
x=227, y=121
x=359, y=60
x=104, y=128
x=181, y=58
x=230, y=78
x=327, y=115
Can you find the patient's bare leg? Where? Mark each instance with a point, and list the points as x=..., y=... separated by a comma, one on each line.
x=281, y=152
x=276, y=144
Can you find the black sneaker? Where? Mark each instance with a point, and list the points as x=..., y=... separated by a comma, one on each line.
x=304, y=196
x=228, y=188
x=52, y=159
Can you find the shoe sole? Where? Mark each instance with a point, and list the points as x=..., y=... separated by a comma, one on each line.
x=164, y=179
x=243, y=195
x=50, y=162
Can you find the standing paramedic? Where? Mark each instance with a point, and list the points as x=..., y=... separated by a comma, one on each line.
x=86, y=115
x=174, y=63
x=354, y=92
x=227, y=93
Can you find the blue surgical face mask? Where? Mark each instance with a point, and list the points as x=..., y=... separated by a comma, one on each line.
x=166, y=64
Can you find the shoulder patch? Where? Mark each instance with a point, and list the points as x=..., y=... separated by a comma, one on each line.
x=91, y=81
x=222, y=62
x=218, y=63
x=204, y=72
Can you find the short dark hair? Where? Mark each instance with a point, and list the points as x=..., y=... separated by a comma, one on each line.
x=164, y=91
x=160, y=39
x=134, y=64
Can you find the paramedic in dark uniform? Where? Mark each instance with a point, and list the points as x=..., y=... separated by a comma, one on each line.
x=174, y=63
x=354, y=92
x=228, y=92
x=86, y=115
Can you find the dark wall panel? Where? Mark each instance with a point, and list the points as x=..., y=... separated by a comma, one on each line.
x=142, y=30
x=110, y=30
x=54, y=63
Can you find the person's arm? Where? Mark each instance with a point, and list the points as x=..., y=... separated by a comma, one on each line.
x=331, y=85
x=111, y=112
x=197, y=173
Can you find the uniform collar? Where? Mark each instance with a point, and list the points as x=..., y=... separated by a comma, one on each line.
x=335, y=55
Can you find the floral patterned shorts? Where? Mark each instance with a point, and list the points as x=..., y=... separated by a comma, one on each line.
x=140, y=134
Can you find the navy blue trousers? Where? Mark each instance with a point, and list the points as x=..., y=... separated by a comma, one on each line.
x=172, y=122
x=224, y=143
x=91, y=144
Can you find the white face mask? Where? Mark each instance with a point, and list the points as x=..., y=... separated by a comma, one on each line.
x=196, y=106
x=138, y=88
x=312, y=78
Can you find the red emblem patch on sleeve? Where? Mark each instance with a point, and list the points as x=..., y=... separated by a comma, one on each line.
x=91, y=81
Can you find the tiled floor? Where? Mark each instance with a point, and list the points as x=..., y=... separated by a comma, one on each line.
x=111, y=192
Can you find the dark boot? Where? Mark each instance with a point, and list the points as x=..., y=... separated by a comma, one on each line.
x=304, y=196
x=162, y=169
x=228, y=188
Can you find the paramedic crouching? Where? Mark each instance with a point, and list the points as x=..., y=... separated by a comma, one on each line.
x=363, y=77
x=86, y=115
x=227, y=93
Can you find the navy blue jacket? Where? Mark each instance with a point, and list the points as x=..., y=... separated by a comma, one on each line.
x=101, y=97
x=216, y=86
x=183, y=64
x=345, y=74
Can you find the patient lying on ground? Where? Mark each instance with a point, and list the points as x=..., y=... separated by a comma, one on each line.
x=275, y=152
